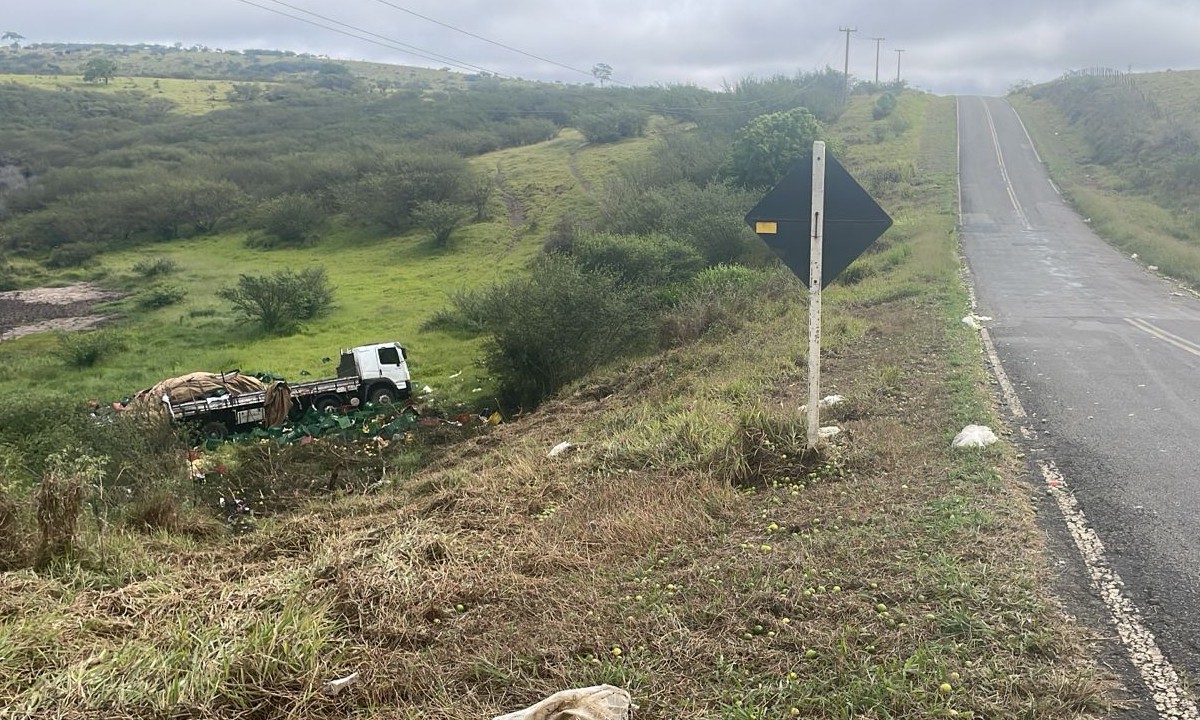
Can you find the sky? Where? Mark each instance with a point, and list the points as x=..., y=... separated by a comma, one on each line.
x=949, y=46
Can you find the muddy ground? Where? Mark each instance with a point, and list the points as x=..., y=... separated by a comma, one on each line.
x=25, y=312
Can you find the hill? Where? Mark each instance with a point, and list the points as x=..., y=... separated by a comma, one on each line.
x=685, y=544
x=1125, y=150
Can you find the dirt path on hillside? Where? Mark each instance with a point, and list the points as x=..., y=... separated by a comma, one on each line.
x=26, y=312
x=573, y=163
x=516, y=211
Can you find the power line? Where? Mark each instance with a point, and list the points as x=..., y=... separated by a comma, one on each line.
x=489, y=40
x=439, y=56
x=389, y=44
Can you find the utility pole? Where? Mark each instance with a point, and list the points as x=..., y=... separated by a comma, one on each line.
x=898, y=66
x=846, y=70
x=877, y=43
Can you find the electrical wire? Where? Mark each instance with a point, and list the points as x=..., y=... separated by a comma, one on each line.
x=493, y=42
x=389, y=44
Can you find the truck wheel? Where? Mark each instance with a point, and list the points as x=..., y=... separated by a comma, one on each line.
x=327, y=403
x=214, y=430
x=382, y=395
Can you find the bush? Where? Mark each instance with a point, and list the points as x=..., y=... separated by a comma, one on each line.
x=440, y=218
x=159, y=296
x=723, y=298
x=292, y=219
x=648, y=260
x=884, y=106
x=154, y=267
x=85, y=349
x=557, y=325
x=281, y=302
x=612, y=125
x=71, y=255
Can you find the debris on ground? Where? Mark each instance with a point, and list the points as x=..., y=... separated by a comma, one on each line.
x=975, y=322
x=974, y=436
x=828, y=432
x=825, y=403
x=333, y=688
x=559, y=449
x=600, y=702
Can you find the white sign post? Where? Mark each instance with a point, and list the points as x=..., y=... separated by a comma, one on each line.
x=814, y=294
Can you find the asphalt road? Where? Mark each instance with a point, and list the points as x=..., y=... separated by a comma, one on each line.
x=1104, y=356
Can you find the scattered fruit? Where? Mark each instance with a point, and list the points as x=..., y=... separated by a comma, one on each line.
x=945, y=687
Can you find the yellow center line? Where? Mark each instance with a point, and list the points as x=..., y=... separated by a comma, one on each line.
x=1181, y=343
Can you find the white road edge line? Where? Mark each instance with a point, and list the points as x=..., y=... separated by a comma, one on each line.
x=1167, y=689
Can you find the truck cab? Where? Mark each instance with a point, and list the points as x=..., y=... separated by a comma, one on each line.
x=382, y=368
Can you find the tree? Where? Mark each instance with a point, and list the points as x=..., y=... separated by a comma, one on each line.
x=602, y=72
x=16, y=38
x=440, y=218
x=98, y=69
x=281, y=301
x=766, y=149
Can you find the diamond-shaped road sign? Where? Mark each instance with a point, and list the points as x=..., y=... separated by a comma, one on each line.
x=853, y=220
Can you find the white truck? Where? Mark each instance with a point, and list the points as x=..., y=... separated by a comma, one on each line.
x=368, y=373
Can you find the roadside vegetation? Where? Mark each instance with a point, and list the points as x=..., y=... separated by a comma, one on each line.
x=608, y=296
x=1125, y=150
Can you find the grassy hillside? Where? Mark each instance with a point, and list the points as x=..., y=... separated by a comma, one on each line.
x=685, y=548
x=1125, y=150
x=387, y=288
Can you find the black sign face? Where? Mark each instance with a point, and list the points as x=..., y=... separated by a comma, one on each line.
x=853, y=220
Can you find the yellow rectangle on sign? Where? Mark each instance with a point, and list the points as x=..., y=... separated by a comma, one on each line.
x=766, y=228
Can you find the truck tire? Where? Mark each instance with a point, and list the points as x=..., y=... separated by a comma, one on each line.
x=327, y=403
x=214, y=430
x=382, y=395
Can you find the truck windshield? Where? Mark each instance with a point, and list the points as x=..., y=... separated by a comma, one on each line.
x=389, y=356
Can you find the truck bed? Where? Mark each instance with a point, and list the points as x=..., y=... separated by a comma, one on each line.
x=245, y=401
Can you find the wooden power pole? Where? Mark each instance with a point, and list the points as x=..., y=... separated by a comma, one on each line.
x=878, y=41
x=898, y=66
x=846, y=68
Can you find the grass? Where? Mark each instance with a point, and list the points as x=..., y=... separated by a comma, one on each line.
x=887, y=577
x=189, y=97
x=386, y=289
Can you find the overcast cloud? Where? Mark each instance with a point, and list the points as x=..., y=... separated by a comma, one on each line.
x=951, y=46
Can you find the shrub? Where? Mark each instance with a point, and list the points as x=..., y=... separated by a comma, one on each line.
x=85, y=349
x=648, y=260
x=884, y=106
x=440, y=218
x=612, y=125
x=723, y=298
x=71, y=255
x=558, y=324
x=291, y=219
x=153, y=267
x=159, y=296
x=281, y=302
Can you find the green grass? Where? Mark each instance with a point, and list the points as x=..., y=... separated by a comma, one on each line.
x=190, y=97
x=386, y=289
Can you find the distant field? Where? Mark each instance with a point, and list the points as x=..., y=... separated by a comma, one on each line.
x=193, y=97
x=386, y=288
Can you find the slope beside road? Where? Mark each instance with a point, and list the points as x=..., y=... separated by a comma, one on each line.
x=1103, y=357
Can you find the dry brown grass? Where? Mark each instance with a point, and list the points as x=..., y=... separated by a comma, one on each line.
x=854, y=586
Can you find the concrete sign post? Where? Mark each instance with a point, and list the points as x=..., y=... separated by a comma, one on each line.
x=816, y=243
x=817, y=201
